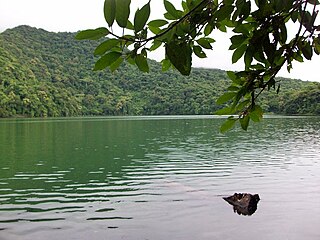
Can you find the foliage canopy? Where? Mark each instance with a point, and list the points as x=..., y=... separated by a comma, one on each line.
x=260, y=38
x=46, y=74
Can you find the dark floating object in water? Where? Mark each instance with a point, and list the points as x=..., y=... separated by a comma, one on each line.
x=243, y=203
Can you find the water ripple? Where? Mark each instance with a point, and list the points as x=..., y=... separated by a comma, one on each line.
x=170, y=179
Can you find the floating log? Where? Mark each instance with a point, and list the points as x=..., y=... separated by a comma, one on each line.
x=243, y=203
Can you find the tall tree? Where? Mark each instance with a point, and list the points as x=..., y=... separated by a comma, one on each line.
x=260, y=38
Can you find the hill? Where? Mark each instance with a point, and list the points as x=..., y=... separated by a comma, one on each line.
x=45, y=74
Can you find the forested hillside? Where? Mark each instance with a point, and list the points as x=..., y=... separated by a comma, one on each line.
x=44, y=74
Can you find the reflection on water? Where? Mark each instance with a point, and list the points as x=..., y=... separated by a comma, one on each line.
x=157, y=178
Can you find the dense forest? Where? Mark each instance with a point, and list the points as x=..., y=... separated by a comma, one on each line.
x=45, y=74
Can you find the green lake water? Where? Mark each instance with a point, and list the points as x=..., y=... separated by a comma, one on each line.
x=157, y=178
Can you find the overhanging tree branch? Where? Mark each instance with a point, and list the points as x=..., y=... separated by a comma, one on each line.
x=259, y=38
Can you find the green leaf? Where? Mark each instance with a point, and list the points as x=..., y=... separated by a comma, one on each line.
x=254, y=117
x=248, y=56
x=307, y=50
x=172, y=10
x=129, y=25
x=141, y=17
x=142, y=63
x=122, y=12
x=316, y=44
x=238, y=53
x=227, y=125
x=232, y=75
x=228, y=2
x=233, y=88
x=205, y=42
x=243, y=104
x=269, y=48
x=225, y=97
x=235, y=78
x=244, y=122
x=169, y=16
x=224, y=111
x=198, y=51
x=244, y=29
x=110, y=11
x=179, y=55
x=166, y=64
x=307, y=20
x=237, y=40
x=107, y=60
x=158, y=23
x=156, y=45
x=92, y=34
x=115, y=65
x=294, y=16
x=224, y=12
x=106, y=46
x=245, y=10
x=208, y=29
x=154, y=30
x=242, y=92
x=298, y=57
x=184, y=6
x=184, y=28
x=283, y=33
x=256, y=114
x=280, y=5
x=193, y=3
x=222, y=27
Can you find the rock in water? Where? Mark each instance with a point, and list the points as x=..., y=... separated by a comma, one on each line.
x=243, y=203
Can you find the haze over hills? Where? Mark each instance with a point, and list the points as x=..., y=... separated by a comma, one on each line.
x=44, y=74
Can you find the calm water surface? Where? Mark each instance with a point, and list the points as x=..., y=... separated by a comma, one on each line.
x=157, y=178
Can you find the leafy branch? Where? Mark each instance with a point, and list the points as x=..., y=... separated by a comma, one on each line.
x=260, y=39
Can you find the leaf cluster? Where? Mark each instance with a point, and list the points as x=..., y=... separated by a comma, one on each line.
x=260, y=38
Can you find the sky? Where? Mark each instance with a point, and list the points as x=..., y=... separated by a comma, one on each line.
x=75, y=15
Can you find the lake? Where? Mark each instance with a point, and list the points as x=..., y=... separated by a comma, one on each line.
x=158, y=178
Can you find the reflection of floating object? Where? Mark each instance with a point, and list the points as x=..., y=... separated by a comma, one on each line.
x=243, y=203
